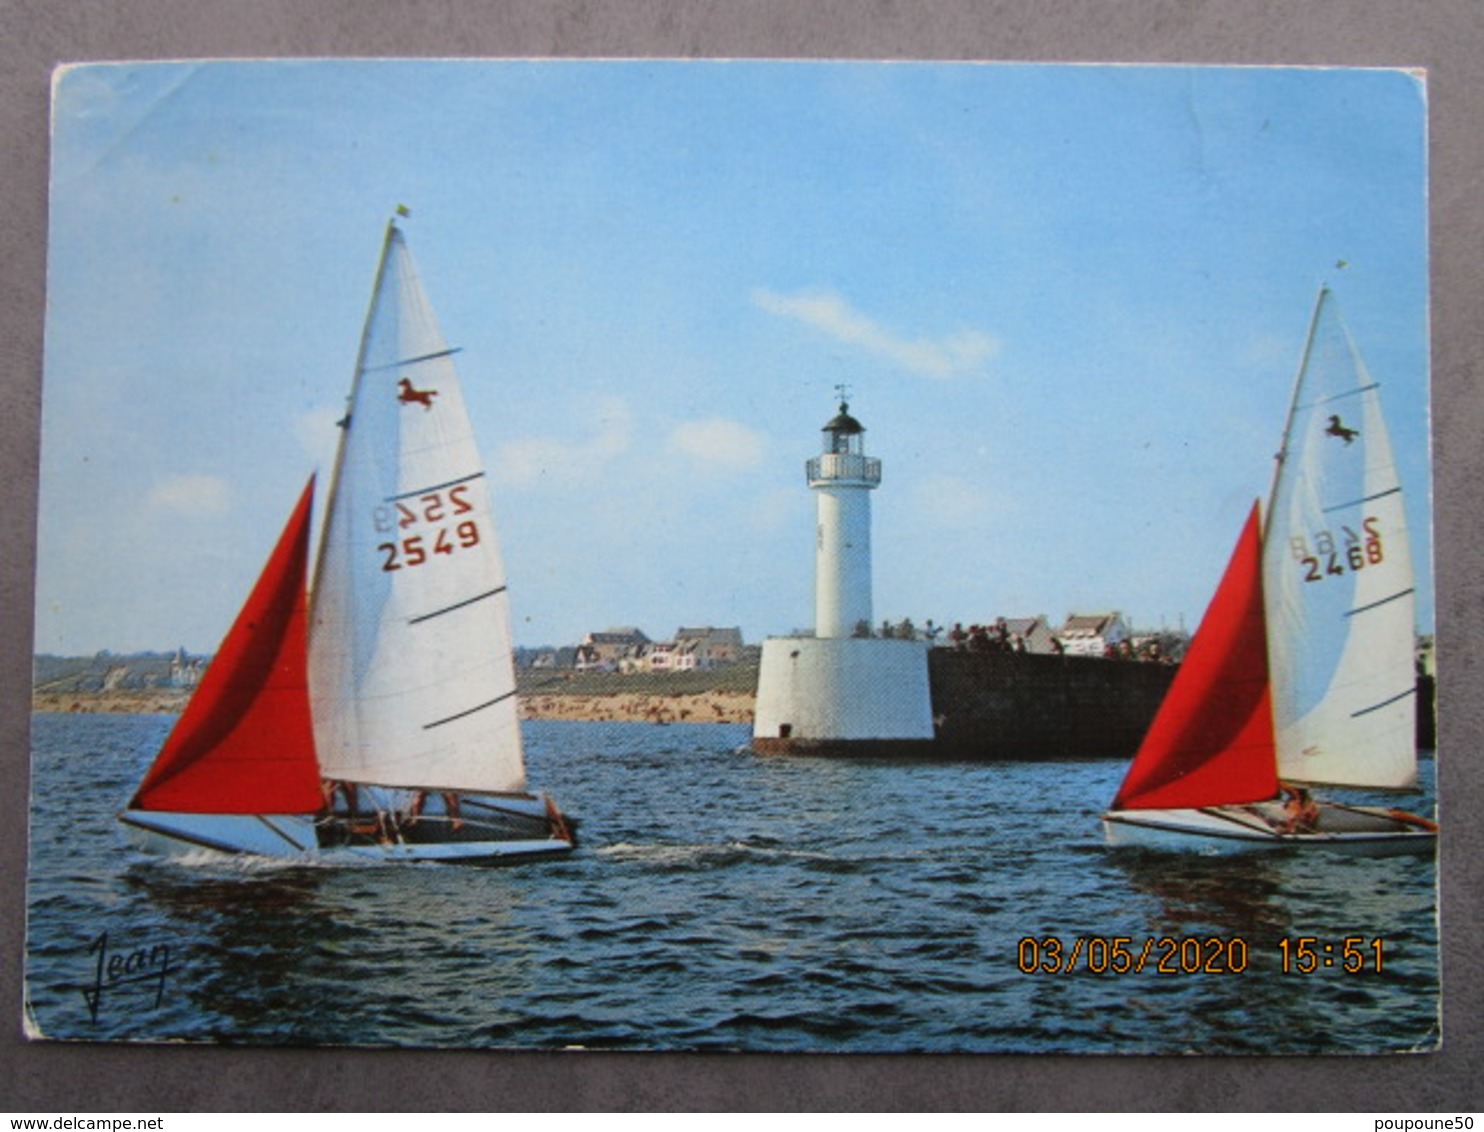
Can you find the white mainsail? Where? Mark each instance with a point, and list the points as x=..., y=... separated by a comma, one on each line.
x=410, y=668
x=1337, y=572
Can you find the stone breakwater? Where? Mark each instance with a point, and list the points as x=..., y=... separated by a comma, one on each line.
x=700, y=707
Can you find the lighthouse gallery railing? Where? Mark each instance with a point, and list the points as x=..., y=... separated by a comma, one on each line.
x=844, y=467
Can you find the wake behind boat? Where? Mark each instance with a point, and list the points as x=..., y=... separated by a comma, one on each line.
x=377, y=723
x=1302, y=672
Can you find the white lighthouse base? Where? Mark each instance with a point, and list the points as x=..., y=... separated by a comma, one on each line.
x=843, y=695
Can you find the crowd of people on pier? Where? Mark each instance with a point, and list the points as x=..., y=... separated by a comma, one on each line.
x=991, y=638
x=999, y=636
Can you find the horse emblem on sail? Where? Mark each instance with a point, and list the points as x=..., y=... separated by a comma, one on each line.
x=1337, y=429
x=410, y=395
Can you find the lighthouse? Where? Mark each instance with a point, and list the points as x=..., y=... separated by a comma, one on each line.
x=842, y=477
x=841, y=690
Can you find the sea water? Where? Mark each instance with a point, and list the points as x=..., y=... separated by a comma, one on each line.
x=721, y=900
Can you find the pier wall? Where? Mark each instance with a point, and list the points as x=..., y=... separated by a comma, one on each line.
x=1024, y=706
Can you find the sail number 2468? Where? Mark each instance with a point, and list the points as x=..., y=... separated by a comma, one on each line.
x=441, y=531
x=1327, y=554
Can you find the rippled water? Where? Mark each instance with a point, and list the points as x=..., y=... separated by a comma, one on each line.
x=720, y=900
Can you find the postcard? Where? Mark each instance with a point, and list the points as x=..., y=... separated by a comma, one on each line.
x=732, y=555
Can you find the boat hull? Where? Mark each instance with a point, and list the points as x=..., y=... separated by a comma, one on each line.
x=1351, y=830
x=477, y=838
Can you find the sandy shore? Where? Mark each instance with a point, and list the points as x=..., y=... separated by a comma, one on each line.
x=164, y=701
x=704, y=707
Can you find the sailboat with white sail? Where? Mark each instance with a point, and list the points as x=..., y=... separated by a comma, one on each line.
x=371, y=717
x=1302, y=672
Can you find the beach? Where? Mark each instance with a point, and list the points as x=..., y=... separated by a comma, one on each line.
x=615, y=707
x=697, y=707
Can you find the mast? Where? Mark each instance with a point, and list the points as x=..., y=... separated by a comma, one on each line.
x=350, y=400
x=1298, y=381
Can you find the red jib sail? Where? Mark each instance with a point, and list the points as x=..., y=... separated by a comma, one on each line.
x=1211, y=742
x=245, y=744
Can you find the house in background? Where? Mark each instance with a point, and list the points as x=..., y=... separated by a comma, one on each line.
x=1092, y=634
x=661, y=657
x=545, y=657
x=185, y=672
x=627, y=649
x=1030, y=634
x=611, y=649
x=708, y=647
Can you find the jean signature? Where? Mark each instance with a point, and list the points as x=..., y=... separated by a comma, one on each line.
x=142, y=966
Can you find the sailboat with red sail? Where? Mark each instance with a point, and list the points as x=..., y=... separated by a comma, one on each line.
x=370, y=716
x=1302, y=672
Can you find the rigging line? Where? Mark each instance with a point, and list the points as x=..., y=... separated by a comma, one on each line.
x=1383, y=703
x=456, y=605
x=1383, y=601
x=1340, y=396
x=179, y=834
x=280, y=832
x=1367, y=499
x=472, y=803
x=412, y=361
x=471, y=711
x=435, y=487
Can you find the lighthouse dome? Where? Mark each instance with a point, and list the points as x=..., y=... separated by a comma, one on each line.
x=844, y=423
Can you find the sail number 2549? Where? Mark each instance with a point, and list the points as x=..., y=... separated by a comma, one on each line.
x=1327, y=554
x=441, y=530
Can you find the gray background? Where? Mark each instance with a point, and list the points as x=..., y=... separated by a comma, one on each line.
x=1444, y=36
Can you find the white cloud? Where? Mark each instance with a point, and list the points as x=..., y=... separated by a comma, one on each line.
x=537, y=459
x=193, y=494
x=717, y=442
x=964, y=351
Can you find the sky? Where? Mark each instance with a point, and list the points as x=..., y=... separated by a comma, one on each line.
x=1068, y=303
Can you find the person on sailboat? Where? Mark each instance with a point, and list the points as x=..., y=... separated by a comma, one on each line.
x=1300, y=812
x=350, y=825
x=450, y=808
x=346, y=790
